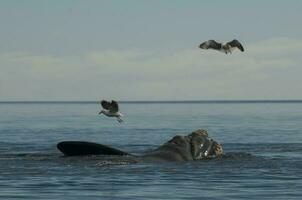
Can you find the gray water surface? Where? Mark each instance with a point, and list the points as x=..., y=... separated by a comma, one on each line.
x=262, y=144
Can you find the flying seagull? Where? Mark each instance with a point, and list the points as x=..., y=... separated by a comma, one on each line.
x=110, y=109
x=226, y=48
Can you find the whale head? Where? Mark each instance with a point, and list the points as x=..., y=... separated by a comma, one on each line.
x=194, y=146
x=202, y=146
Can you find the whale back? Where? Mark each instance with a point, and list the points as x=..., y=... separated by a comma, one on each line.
x=76, y=148
x=194, y=146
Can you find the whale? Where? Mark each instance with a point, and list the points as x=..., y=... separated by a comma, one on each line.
x=196, y=145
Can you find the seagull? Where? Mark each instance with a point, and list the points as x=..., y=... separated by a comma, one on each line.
x=226, y=48
x=110, y=109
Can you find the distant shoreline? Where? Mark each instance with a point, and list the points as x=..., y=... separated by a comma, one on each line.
x=154, y=102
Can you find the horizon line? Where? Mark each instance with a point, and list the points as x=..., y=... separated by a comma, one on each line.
x=161, y=101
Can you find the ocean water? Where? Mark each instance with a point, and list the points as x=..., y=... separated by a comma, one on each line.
x=262, y=144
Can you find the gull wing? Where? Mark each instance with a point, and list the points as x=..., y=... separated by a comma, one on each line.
x=236, y=43
x=113, y=106
x=106, y=104
x=210, y=44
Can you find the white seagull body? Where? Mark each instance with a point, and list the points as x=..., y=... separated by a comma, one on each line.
x=110, y=109
x=226, y=48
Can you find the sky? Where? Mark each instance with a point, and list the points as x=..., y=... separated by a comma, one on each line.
x=75, y=50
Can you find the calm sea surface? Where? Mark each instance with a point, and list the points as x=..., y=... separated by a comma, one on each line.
x=262, y=143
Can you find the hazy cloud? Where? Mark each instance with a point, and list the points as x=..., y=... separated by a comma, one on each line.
x=266, y=67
